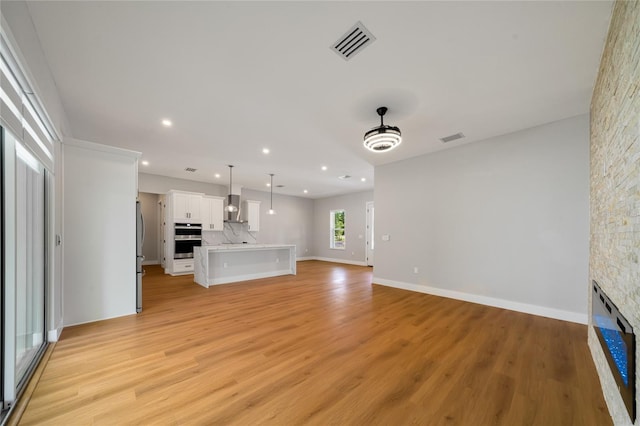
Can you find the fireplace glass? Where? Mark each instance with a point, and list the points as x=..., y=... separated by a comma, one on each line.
x=618, y=344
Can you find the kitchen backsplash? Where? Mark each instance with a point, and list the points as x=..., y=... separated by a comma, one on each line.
x=233, y=233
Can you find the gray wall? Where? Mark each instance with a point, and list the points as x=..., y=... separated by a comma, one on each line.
x=292, y=223
x=156, y=184
x=150, y=212
x=355, y=209
x=505, y=219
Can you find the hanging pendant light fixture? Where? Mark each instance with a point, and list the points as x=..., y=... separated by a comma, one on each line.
x=382, y=138
x=230, y=206
x=271, y=210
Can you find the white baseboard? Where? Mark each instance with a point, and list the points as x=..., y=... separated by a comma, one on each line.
x=302, y=259
x=489, y=301
x=150, y=262
x=54, y=335
x=348, y=262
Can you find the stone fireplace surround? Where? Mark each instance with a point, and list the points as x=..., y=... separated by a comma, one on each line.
x=615, y=187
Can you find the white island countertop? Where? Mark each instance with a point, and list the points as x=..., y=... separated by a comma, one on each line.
x=223, y=247
x=227, y=263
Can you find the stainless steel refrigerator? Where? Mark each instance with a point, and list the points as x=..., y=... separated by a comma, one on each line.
x=139, y=256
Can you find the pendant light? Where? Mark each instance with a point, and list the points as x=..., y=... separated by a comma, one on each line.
x=382, y=138
x=271, y=210
x=230, y=206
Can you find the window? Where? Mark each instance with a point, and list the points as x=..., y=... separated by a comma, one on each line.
x=336, y=224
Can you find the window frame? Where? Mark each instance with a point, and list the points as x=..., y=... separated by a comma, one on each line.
x=335, y=244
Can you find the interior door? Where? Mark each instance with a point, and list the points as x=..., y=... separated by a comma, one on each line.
x=370, y=233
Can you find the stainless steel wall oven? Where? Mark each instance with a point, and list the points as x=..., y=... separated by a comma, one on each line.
x=187, y=236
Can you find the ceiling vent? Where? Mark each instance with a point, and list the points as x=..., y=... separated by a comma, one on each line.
x=190, y=169
x=343, y=177
x=353, y=41
x=452, y=137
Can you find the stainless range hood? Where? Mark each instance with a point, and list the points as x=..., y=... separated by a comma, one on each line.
x=233, y=217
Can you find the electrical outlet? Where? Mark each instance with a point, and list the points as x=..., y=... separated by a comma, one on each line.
x=224, y=265
x=277, y=260
x=386, y=237
x=415, y=269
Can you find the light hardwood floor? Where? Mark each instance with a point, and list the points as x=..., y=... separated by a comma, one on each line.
x=323, y=347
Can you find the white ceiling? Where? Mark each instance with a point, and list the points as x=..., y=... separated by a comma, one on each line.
x=235, y=77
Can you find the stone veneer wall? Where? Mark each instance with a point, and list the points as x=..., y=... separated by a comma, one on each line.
x=615, y=187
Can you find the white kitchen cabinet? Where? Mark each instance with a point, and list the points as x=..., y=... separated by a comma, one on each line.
x=182, y=266
x=252, y=215
x=212, y=209
x=185, y=206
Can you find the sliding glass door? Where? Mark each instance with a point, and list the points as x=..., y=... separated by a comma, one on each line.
x=30, y=259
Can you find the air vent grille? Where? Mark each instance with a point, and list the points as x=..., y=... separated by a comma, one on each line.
x=190, y=169
x=353, y=41
x=452, y=137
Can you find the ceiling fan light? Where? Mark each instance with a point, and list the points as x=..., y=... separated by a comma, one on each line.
x=382, y=138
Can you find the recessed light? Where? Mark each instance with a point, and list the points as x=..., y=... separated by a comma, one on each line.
x=305, y=191
x=324, y=168
x=217, y=175
x=268, y=184
x=265, y=150
x=363, y=179
x=167, y=123
x=145, y=163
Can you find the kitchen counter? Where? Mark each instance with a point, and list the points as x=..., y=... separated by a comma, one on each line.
x=228, y=263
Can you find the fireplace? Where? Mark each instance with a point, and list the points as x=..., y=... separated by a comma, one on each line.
x=618, y=344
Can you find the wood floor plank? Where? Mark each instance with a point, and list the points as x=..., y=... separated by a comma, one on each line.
x=319, y=348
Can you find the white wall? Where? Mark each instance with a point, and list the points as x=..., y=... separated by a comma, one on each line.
x=99, y=242
x=156, y=184
x=355, y=207
x=502, y=222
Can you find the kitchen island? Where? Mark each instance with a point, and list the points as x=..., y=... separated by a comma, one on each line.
x=228, y=263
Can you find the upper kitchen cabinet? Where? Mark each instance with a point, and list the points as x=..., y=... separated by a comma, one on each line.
x=252, y=212
x=212, y=209
x=185, y=207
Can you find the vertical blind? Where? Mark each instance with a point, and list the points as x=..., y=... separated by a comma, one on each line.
x=20, y=109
